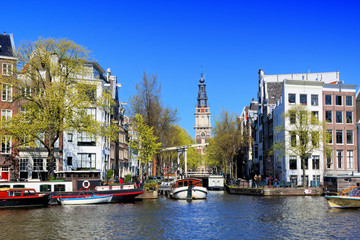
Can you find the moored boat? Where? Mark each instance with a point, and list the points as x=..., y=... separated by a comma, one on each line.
x=25, y=197
x=188, y=188
x=81, y=200
x=120, y=193
x=349, y=198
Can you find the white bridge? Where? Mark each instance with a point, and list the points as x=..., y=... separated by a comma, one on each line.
x=183, y=150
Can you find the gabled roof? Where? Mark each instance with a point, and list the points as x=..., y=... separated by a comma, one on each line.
x=274, y=91
x=6, y=46
x=254, y=106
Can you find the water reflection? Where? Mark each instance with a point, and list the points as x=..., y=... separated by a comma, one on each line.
x=221, y=216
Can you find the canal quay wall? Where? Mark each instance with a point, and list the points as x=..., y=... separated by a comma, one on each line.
x=277, y=191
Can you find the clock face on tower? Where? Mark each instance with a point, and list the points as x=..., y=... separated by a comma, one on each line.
x=202, y=135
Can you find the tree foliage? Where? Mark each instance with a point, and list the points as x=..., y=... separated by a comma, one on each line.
x=300, y=134
x=226, y=142
x=180, y=137
x=147, y=103
x=143, y=141
x=54, y=95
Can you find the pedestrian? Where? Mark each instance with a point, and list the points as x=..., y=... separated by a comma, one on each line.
x=259, y=178
x=255, y=180
x=275, y=182
x=270, y=180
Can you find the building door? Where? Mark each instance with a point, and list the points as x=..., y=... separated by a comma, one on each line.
x=5, y=175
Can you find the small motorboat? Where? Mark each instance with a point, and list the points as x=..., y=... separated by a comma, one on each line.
x=22, y=197
x=188, y=188
x=349, y=198
x=85, y=199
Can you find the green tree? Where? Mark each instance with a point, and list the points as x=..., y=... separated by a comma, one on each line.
x=226, y=143
x=54, y=96
x=143, y=141
x=180, y=137
x=300, y=134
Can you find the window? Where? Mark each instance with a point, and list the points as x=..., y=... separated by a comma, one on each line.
x=339, y=137
x=349, y=137
x=25, y=91
x=6, y=114
x=328, y=100
x=350, y=159
x=293, y=139
x=84, y=139
x=69, y=161
x=314, y=117
x=292, y=163
x=24, y=164
x=45, y=188
x=314, y=100
x=315, y=139
x=59, y=188
x=70, y=137
x=38, y=164
x=87, y=160
x=6, y=144
x=330, y=136
x=292, y=98
x=349, y=101
x=338, y=99
x=91, y=92
x=306, y=160
x=328, y=116
x=340, y=158
x=329, y=161
x=316, y=162
x=349, y=117
x=303, y=99
x=7, y=69
x=292, y=117
x=338, y=117
x=6, y=91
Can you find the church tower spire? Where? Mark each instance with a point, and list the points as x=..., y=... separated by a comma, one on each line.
x=202, y=114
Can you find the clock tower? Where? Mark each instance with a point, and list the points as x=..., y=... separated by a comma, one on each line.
x=202, y=114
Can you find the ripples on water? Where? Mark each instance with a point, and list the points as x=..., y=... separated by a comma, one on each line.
x=221, y=216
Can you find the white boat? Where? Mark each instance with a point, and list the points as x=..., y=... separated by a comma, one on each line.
x=216, y=182
x=85, y=199
x=188, y=188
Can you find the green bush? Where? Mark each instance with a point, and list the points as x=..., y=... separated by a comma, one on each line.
x=150, y=186
x=127, y=178
x=109, y=174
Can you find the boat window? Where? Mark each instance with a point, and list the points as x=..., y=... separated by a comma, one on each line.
x=59, y=188
x=4, y=186
x=14, y=193
x=32, y=192
x=19, y=186
x=185, y=183
x=45, y=188
x=26, y=193
x=180, y=184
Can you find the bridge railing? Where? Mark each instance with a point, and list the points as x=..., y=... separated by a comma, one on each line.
x=197, y=174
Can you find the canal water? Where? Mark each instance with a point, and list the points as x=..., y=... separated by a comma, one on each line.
x=221, y=216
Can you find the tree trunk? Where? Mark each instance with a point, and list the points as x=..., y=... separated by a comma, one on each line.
x=303, y=167
x=51, y=163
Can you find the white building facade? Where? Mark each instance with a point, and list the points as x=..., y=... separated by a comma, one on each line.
x=288, y=167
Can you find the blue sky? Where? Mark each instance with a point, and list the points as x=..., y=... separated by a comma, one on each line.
x=173, y=39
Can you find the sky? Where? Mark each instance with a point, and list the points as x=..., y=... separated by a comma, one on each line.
x=230, y=40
